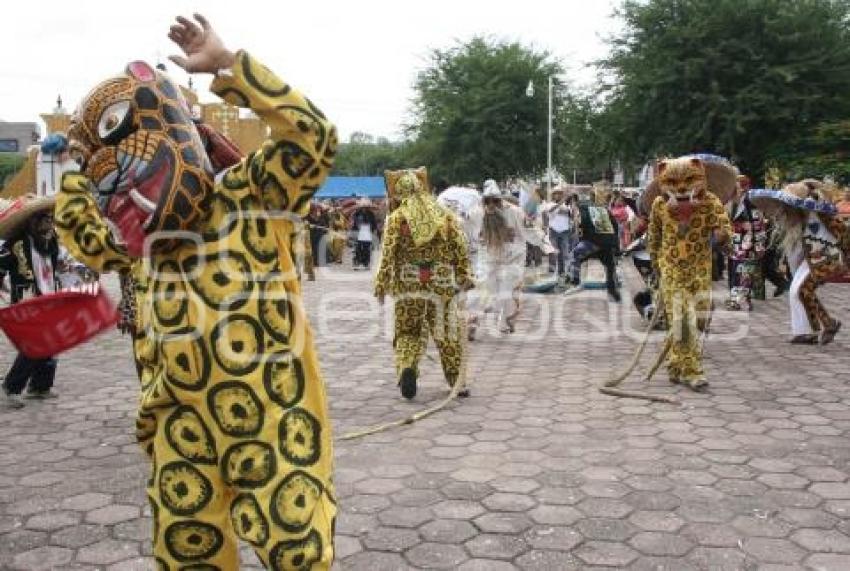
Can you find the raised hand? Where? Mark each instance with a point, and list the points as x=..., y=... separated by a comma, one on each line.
x=204, y=51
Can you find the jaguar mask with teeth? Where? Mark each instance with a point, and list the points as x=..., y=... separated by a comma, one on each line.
x=134, y=137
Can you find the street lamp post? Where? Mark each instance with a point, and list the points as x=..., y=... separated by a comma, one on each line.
x=529, y=92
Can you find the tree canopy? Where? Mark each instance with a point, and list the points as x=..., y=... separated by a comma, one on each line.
x=472, y=118
x=742, y=78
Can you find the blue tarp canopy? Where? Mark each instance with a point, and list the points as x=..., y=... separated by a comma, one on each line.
x=346, y=186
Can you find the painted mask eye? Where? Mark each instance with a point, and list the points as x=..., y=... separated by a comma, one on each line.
x=115, y=122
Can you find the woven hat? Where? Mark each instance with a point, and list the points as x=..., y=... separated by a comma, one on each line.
x=491, y=189
x=810, y=195
x=721, y=175
x=15, y=213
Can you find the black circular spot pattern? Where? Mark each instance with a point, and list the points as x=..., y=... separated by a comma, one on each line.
x=295, y=500
x=235, y=408
x=189, y=436
x=300, y=437
x=183, y=489
x=249, y=464
x=192, y=540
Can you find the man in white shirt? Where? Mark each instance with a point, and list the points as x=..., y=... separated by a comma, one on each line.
x=560, y=217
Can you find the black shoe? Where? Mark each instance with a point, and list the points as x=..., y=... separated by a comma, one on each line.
x=463, y=393
x=407, y=382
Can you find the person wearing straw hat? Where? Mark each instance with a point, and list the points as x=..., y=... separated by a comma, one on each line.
x=816, y=244
x=30, y=255
x=425, y=267
x=687, y=210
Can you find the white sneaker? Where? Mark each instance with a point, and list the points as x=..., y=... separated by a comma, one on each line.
x=13, y=401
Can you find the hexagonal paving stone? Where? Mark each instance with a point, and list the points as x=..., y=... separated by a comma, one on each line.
x=390, y=539
x=825, y=540
x=606, y=529
x=605, y=553
x=486, y=565
x=51, y=521
x=47, y=557
x=495, y=546
x=773, y=550
x=86, y=502
x=405, y=517
x=656, y=520
x=457, y=509
x=107, y=551
x=447, y=531
x=555, y=515
x=558, y=538
x=503, y=502
x=375, y=561
x=659, y=543
x=603, y=507
x=503, y=522
x=112, y=514
x=436, y=556
x=543, y=560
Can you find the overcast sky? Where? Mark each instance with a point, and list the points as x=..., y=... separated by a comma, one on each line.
x=356, y=59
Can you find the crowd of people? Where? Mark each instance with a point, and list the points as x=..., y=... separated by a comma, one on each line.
x=233, y=412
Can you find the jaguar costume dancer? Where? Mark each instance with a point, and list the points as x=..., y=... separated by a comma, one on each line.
x=232, y=410
x=686, y=212
x=424, y=265
x=816, y=243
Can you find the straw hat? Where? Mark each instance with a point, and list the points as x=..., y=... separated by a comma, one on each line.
x=809, y=194
x=721, y=176
x=15, y=213
x=491, y=189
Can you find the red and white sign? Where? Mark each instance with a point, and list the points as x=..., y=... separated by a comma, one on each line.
x=47, y=325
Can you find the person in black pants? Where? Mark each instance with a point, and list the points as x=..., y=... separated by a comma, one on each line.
x=365, y=227
x=600, y=240
x=30, y=256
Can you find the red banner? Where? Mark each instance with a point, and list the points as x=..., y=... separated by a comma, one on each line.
x=47, y=325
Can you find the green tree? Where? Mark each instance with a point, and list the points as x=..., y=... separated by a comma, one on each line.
x=471, y=117
x=366, y=155
x=740, y=78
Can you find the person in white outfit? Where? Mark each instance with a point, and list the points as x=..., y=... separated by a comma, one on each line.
x=501, y=259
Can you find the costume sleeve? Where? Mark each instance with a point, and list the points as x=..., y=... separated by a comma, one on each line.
x=81, y=228
x=653, y=233
x=839, y=229
x=294, y=161
x=460, y=255
x=386, y=268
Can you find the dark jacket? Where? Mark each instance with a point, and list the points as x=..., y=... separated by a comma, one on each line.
x=364, y=216
x=598, y=233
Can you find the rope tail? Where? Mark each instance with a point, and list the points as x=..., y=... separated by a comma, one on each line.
x=609, y=387
x=459, y=385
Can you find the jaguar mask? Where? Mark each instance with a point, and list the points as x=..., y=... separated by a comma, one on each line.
x=134, y=137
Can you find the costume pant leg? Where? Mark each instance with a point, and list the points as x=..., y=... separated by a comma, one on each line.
x=222, y=488
x=190, y=502
x=411, y=332
x=606, y=256
x=682, y=307
x=446, y=327
x=802, y=323
x=42, y=375
x=19, y=374
x=815, y=310
x=579, y=254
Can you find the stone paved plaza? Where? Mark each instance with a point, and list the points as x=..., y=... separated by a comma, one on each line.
x=535, y=471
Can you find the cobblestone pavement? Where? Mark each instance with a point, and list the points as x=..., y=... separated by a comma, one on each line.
x=536, y=470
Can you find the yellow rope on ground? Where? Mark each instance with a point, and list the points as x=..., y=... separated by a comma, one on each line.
x=609, y=387
x=459, y=385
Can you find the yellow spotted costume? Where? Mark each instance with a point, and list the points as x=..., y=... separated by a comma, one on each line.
x=233, y=408
x=424, y=265
x=681, y=251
